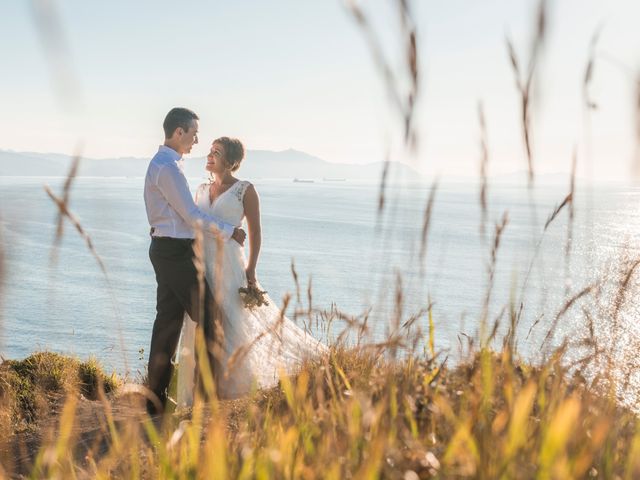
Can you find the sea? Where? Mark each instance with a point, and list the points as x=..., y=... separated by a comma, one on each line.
x=381, y=256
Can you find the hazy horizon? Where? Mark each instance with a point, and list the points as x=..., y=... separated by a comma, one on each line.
x=515, y=177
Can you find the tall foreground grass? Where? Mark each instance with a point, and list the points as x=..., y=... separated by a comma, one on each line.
x=354, y=414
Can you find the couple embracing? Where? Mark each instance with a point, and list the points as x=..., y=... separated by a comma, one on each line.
x=268, y=342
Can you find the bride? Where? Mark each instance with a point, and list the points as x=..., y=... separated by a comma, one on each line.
x=263, y=340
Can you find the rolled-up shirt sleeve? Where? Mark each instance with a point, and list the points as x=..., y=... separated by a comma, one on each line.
x=175, y=189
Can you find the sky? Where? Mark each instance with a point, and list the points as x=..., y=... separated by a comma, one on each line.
x=289, y=74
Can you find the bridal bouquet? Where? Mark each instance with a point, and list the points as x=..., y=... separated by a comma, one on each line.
x=252, y=296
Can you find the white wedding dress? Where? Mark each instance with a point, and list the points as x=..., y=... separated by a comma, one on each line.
x=264, y=342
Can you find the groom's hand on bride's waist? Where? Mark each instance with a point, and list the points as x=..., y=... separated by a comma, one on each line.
x=239, y=235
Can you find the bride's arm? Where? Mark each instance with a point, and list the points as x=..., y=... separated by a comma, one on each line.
x=251, y=203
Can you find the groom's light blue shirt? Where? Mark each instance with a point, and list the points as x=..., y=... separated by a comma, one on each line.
x=170, y=207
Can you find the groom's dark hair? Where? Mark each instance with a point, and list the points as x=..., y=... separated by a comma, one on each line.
x=178, y=117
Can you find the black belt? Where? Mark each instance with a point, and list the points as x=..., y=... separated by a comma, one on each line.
x=171, y=239
x=190, y=240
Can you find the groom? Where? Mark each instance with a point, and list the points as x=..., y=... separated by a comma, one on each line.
x=172, y=216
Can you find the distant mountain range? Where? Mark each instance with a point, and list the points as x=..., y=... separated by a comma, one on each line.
x=257, y=164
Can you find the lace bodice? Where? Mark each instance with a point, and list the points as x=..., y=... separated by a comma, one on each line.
x=228, y=206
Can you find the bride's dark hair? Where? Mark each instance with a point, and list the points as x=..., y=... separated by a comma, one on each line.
x=233, y=152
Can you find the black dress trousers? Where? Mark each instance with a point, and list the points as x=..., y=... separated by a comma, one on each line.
x=178, y=292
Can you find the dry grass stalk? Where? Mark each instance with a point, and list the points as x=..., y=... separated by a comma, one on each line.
x=51, y=33
x=398, y=309
x=572, y=212
x=484, y=164
x=353, y=323
x=218, y=297
x=2, y=274
x=589, y=103
x=567, y=201
x=66, y=191
x=310, y=297
x=65, y=212
x=635, y=78
x=199, y=263
x=402, y=85
x=404, y=100
x=565, y=308
x=533, y=325
x=426, y=222
x=637, y=118
x=499, y=230
x=623, y=291
x=295, y=279
x=524, y=82
x=572, y=191
x=377, y=51
x=556, y=211
x=384, y=177
x=411, y=62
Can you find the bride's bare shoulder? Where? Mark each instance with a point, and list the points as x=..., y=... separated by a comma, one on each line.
x=249, y=192
x=247, y=185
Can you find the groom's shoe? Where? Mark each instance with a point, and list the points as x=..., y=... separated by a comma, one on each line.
x=156, y=405
x=154, y=410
